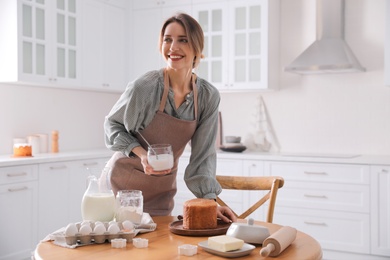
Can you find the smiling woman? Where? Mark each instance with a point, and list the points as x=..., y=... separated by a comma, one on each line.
x=168, y=106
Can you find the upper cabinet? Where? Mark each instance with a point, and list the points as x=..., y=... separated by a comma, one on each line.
x=65, y=43
x=39, y=42
x=104, y=44
x=241, y=44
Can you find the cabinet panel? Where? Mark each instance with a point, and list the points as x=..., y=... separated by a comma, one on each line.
x=380, y=190
x=15, y=174
x=104, y=46
x=53, y=197
x=335, y=173
x=240, y=46
x=342, y=197
x=44, y=36
x=334, y=230
x=18, y=235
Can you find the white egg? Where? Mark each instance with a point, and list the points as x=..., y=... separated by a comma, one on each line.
x=85, y=230
x=113, y=229
x=99, y=229
x=128, y=225
x=85, y=222
x=112, y=222
x=71, y=230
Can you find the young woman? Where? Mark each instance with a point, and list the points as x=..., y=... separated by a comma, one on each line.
x=171, y=105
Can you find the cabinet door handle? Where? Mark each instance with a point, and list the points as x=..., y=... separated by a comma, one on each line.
x=17, y=189
x=57, y=167
x=315, y=223
x=314, y=196
x=315, y=173
x=90, y=164
x=16, y=174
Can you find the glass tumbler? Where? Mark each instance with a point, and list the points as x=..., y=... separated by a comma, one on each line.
x=130, y=206
x=160, y=156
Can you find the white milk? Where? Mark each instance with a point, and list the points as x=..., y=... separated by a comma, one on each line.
x=98, y=207
x=161, y=162
x=133, y=214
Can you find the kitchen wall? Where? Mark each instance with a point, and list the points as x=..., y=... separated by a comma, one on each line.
x=330, y=113
x=77, y=115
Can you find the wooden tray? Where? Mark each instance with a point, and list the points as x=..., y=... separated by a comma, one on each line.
x=176, y=227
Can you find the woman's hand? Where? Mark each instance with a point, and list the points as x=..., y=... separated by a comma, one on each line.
x=148, y=169
x=226, y=214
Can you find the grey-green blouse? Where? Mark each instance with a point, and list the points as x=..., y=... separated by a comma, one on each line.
x=136, y=108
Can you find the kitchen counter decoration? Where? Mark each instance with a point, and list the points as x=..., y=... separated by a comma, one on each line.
x=263, y=137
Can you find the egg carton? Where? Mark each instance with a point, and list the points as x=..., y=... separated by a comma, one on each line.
x=118, y=232
x=99, y=239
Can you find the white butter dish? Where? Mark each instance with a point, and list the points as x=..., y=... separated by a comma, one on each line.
x=250, y=233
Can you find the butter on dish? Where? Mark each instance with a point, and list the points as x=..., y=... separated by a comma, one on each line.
x=225, y=243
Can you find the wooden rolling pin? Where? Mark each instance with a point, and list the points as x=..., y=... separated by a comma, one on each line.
x=277, y=242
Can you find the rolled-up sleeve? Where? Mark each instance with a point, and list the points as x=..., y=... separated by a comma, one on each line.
x=133, y=111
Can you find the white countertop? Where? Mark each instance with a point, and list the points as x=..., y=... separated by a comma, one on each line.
x=8, y=160
x=307, y=157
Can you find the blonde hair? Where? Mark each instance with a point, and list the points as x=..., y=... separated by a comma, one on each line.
x=194, y=34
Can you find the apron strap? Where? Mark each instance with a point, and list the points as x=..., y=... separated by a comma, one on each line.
x=165, y=93
x=166, y=89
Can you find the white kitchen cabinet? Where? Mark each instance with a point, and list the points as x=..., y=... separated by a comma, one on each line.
x=323, y=199
x=61, y=189
x=39, y=42
x=53, y=197
x=241, y=41
x=145, y=53
x=105, y=45
x=380, y=208
x=18, y=218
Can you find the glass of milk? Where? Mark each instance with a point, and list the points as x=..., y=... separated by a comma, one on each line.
x=130, y=206
x=160, y=156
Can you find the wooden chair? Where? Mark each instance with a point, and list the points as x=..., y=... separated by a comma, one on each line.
x=270, y=183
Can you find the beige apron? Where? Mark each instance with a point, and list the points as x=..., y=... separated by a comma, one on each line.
x=127, y=173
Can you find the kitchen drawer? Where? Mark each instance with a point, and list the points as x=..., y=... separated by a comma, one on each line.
x=325, y=196
x=15, y=174
x=342, y=231
x=229, y=167
x=320, y=172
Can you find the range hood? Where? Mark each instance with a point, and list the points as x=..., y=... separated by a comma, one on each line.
x=329, y=53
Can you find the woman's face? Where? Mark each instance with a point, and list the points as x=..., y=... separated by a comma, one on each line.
x=175, y=48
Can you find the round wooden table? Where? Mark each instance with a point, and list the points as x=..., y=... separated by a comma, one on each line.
x=164, y=245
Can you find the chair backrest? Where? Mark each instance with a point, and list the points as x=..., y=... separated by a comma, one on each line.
x=270, y=183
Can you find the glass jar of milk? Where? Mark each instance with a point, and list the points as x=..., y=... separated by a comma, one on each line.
x=160, y=157
x=98, y=202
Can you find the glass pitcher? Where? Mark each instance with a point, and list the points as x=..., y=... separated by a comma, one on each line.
x=98, y=203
